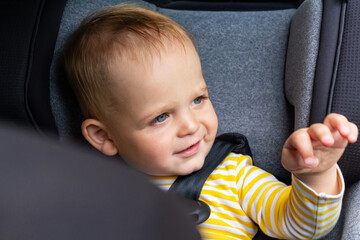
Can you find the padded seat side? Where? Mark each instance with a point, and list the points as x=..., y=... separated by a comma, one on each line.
x=29, y=33
x=345, y=97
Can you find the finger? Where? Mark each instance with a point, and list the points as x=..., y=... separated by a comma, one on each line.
x=321, y=132
x=301, y=142
x=353, y=136
x=338, y=122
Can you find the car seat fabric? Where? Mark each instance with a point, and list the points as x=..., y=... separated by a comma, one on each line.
x=26, y=49
x=351, y=213
x=327, y=58
x=227, y=5
x=336, y=90
x=331, y=59
x=345, y=93
x=301, y=59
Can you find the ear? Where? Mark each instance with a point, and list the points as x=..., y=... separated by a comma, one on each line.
x=97, y=135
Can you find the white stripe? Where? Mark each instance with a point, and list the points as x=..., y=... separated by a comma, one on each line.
x=328, y=206
x=210, y=199
x=273, y=214
x=311, y=222
x=233, y=214
x=308, y=205
x=297, y=186
x=321, y=218
x=268, y=181
x=327, y=229
x=224, y=172
x=226, y=163
x=290, y=227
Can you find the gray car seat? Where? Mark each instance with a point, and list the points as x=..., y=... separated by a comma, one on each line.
x=271, y=67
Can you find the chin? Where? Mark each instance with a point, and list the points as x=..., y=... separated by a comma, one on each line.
x=190, y=169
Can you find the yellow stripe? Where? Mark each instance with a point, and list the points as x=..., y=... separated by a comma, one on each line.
x=304, y=189
x=324, y=212
x=256, y=194
x=217, y=222
x=258, y=208
x=300, y=218
x=227, y=208
x=301, y=203
x=331, y=216
x=281, y=207
x=218, y=176
x=217, y=236
x=325, y=226
x=253, y=181
x=234, y=218
x=233, y=158
x=302, y=213
x=217, y=194
x=229, y=167
x=240, y=159
x=252, y=199
x=237, y=211
x=240, y=174
x=263, y=224
x=268, y=205
x=324, y=204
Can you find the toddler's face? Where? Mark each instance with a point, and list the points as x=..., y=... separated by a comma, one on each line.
x=167, y=124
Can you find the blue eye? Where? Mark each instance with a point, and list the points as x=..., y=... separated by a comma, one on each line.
x=197, y=101
x=159, y=119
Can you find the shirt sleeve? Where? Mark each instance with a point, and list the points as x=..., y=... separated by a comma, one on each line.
x=291, y=212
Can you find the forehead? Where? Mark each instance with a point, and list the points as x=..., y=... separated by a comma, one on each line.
x=144, y=51
x=126, y=65
x=152, y=78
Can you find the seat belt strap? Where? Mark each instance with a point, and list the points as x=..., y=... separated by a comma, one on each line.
x=190, y=186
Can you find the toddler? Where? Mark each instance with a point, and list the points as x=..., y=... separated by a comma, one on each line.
x=138, y=80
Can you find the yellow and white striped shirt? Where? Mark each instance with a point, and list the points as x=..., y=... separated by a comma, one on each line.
x=242, y=196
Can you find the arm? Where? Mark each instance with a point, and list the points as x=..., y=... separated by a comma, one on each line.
x=290, y=212
x=310, y=208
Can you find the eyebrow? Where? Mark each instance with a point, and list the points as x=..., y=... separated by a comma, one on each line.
x=148, y=116
x=205, y=89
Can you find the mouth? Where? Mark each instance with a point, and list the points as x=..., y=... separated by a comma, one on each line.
x=191, y=150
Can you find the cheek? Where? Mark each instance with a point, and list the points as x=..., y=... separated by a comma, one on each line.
x=154, y=157
x=215, y=120
x=156, y=148
x=212, y=121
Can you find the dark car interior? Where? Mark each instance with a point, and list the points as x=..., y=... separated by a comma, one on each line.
x=271, y=67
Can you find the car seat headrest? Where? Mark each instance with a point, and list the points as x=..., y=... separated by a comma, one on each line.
x=301, y=59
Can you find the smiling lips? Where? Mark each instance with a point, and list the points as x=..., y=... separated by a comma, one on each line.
x=190, y=150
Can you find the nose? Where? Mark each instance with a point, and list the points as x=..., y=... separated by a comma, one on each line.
x=188, y=124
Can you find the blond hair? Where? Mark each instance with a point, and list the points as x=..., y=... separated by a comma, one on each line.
x=121, y=30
